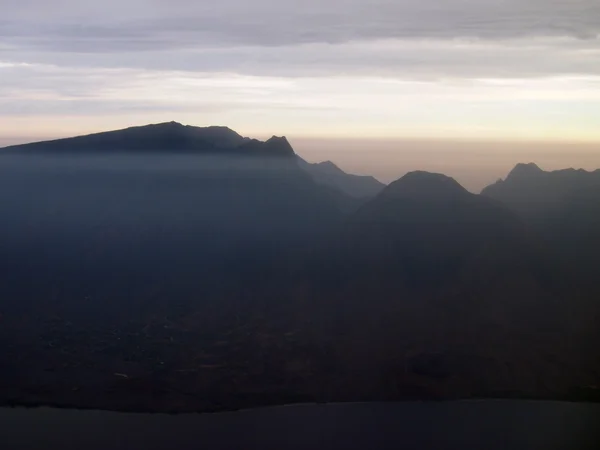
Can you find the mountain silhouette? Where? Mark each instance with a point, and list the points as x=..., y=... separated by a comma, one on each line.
x=562, y=206
x=444, y=278
x=145, y=207
x=530, y=190
x=173, y=138
x=328, y=174
x=426, y=225
x=169, y=137
x=524, y=170
x=421, y=185
x=218, y=272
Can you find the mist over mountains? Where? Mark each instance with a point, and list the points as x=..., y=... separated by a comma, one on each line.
x=213, y=271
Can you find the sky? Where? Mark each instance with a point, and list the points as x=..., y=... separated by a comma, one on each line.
x=465, y=87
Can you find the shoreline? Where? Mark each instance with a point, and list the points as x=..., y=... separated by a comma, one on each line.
x=9, y=404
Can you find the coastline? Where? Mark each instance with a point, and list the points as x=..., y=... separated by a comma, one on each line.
x=195, y=408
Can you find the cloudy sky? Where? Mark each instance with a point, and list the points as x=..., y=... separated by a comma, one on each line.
x=369, y=84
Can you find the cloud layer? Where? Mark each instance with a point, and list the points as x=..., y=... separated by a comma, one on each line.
x=117, y=25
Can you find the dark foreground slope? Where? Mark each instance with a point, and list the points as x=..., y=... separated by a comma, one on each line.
x=175, y=282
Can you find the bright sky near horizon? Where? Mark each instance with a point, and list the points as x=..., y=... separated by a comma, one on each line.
x=411, y=81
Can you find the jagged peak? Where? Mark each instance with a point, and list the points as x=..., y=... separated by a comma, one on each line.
x=279, y=145
x=277, y=139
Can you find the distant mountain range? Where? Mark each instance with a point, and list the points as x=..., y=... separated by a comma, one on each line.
x=170, y=137
x=175, y=138
x=175, y=268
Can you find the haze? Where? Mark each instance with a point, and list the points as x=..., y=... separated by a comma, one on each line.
x=466, y=88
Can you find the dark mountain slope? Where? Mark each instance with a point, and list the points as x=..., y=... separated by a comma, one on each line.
x=328, y=174
x=563, y=207
x=531, y=191
x=432, y=219
x=433, y=290
x=161, y=208
x=151, y=253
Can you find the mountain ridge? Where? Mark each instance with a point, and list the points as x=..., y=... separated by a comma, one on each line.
x=529, y=187
x=175, y=138
x=327, y=173
x=171, y=137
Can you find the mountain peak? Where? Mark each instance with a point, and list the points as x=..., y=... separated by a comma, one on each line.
x=279, y=139
x=277, y=145
x=425, y=185
x=524, y=170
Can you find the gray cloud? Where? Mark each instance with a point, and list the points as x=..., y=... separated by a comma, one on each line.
x=451, y=38
x=125, y=25
x=431, y=59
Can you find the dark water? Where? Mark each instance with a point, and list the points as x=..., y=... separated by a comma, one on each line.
x=477, y=425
